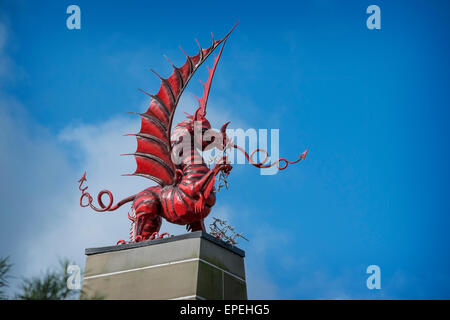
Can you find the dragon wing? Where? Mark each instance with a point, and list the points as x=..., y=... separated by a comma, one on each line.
x=153, y=153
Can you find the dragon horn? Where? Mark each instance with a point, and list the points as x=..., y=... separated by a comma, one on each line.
x=223, y=131
x=224, y=127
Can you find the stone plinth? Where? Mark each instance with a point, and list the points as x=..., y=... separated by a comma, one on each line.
x=190, y=266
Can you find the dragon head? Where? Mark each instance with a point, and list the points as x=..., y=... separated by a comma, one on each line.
x=200, y=132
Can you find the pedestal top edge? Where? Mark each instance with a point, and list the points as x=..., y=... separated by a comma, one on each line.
x=191, y=235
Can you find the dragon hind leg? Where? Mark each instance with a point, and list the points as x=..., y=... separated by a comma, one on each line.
x=146, y=219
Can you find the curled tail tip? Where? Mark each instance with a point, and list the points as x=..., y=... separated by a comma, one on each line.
x=303, y=155
x=83, y=178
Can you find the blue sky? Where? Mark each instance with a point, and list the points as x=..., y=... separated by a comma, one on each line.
x=371, y=105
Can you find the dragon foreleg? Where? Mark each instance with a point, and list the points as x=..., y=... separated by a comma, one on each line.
x=204, y=186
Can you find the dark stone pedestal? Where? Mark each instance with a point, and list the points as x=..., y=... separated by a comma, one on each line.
x=190, y=266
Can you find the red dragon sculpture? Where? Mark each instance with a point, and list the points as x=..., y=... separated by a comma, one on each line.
x=185, y=192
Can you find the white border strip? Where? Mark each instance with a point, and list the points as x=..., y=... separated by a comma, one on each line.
x=162, y=265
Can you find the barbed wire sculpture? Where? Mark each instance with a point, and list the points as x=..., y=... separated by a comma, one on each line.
x=221, y=230
x=221, y=156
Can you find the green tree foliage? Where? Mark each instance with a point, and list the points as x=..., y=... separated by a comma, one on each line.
x=50, y=286
x=5, y=267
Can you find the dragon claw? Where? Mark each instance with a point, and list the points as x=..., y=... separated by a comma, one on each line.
x=156, y=235
x=227, y=169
